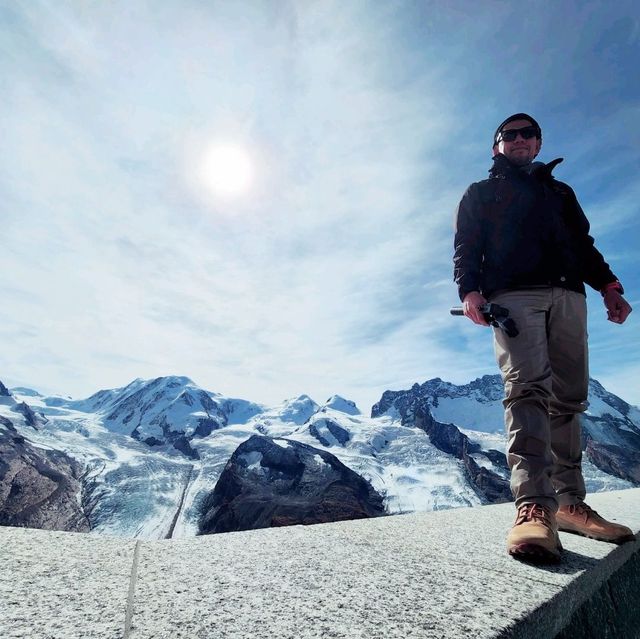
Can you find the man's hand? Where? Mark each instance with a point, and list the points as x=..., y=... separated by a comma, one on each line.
x=470, y=305
x=618, y=308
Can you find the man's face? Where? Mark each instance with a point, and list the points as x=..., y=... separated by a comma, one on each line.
x=520, y=151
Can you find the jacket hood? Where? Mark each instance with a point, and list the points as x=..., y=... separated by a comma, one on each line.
x=503, y=166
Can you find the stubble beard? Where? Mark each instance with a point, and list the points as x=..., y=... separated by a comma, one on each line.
x=520, y=160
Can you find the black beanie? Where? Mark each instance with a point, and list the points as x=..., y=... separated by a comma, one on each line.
x=511, y=118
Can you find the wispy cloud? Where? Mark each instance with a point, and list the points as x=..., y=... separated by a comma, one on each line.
x=366, y=122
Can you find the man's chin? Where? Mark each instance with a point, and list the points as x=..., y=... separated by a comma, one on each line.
x=520, y=160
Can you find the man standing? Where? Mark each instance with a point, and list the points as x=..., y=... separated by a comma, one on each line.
x=522, y=241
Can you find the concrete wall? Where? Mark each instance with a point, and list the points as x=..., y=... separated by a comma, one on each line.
x=432, y=575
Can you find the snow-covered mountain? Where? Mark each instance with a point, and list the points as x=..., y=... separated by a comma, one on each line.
x=151, y=453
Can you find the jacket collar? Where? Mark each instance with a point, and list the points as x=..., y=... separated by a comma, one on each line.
x=502, y=167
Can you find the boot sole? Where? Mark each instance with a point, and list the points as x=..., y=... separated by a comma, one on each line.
x=618, y=540
x=534, y=554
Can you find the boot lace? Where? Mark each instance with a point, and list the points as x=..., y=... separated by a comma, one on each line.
x=534, y=512
x=582, y=509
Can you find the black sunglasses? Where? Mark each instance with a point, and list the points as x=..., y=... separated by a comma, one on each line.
x=526, y=132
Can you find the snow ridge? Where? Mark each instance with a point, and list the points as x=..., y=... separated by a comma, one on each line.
x=152, y=451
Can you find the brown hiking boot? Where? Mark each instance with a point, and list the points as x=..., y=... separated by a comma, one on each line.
x=581, y=519
x=534, y=536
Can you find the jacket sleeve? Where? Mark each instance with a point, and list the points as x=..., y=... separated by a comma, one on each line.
x=468, y=242
x=596, y=271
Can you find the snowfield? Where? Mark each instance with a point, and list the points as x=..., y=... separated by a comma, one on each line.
x=134, y=489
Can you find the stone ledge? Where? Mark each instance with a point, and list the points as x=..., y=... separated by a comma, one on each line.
x=430, y=575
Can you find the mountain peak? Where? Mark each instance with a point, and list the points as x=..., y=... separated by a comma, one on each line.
x=336, y=402
x=485, y=390
x=297, y=409
x=169, y=381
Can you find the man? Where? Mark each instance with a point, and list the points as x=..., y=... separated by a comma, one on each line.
x=522, y=241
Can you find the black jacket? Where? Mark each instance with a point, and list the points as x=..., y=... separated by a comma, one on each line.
x=523, y=228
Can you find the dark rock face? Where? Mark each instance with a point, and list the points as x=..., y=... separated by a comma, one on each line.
x=9, y=425
x=181, y=443
x=206, y=426
x=492, y=487
x=269, y=482
x=29, y=415
x=618, y=455
x=38, y=488
x=598, y=390
x=611, y=440
x=332, y=429
x=498, y=458
x=446, y=437
x=414, y=410
x=484, y=390
x=4, y=391
x=615, y=460
x=174, y=438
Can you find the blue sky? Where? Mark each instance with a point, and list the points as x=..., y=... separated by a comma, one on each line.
x=331, y=273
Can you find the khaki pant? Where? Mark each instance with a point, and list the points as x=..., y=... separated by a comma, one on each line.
x=546, y=379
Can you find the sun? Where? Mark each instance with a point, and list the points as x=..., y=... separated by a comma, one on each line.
x=226, y=170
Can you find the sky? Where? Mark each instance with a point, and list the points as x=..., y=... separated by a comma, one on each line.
x=328, y=270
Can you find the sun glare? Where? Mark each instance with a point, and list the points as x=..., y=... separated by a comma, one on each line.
x=226, y=170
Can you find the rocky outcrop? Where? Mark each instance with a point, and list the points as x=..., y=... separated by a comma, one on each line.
x=30, y=417
x=497, y=458
x=413, y=406
x=177, y=439
x=328, y=432
x=611, y=436
x=610, y=428
x=486, y=389
x=489, y=486
x=38, y=488
x=276, y=482
x=616, y=461
x=4, y=391
x=206, y=425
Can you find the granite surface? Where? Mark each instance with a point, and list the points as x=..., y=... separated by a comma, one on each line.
x=429, y=575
